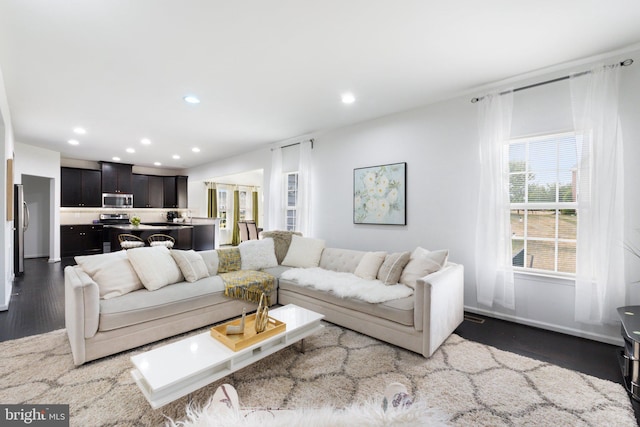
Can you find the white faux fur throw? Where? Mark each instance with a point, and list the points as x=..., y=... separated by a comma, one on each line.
x=347, y=285
x=370, y=414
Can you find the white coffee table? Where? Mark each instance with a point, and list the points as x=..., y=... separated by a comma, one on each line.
x=167, y=373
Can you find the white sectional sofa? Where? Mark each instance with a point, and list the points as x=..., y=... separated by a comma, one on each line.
x=103, y=318
x=108, y=309
x=419, y=322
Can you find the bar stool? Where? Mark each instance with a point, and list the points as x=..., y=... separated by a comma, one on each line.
x=129, y=241
x=161, y=240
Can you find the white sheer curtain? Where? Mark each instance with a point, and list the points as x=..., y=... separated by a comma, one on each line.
x=276, y=190
x=600, y=286
x=304, y=190
x=494, y=271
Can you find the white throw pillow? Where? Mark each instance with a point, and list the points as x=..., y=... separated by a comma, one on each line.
x=257, y=254
x=304, y=252
x=191, y=264
x=112, y=271
x=155, y=266
x=211, y=260
x=423, y=262
x=369, y=265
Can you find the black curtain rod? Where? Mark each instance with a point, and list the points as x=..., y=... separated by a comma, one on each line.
x=296, y=143
x=624, y=63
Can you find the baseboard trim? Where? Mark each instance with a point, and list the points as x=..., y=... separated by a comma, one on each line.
x=548, y=326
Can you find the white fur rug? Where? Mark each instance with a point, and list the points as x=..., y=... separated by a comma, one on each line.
x=370, y=414
x=347, y=285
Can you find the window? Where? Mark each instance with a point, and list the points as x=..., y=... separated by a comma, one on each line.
x=542, y=190
x=292, y=201
x=242, y=196
x=222, y=208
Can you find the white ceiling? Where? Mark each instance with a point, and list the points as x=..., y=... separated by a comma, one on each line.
x=267, y=71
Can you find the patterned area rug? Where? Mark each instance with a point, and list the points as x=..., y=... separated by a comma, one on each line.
x=475, y=384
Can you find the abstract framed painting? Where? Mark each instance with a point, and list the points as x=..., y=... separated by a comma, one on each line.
x=379, y=194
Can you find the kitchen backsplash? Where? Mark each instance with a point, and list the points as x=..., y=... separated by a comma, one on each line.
x=88, y=216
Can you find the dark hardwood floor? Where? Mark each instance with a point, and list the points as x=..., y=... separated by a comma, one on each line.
x=37, y=306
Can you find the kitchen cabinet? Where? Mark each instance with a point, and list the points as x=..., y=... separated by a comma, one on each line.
x=175, y=192
x=82, y=239
x=80, y=187
x=148, y=191
x=117, y=178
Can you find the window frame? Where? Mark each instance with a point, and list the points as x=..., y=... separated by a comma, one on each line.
x=557, y=206
x=223, y=214
x=288, y=207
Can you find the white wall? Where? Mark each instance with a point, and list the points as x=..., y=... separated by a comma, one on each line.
x=6, y=230
x=439, y=144
x=39, y=162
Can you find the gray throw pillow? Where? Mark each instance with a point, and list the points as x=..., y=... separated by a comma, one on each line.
x=392, y=267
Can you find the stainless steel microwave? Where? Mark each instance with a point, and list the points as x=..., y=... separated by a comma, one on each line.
x=117, y=200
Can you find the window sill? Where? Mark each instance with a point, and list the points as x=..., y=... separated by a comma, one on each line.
x=561, y=279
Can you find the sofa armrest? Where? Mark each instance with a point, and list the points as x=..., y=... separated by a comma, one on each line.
x=439, y=305
x=81, y=311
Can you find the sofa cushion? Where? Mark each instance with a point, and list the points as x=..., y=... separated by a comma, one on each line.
x=211, y=260
x=144, y=305
x=257, y=254
x=229, y=260
x=344, y=260
x=421, y=263
x=398, y=310
x=369, y=265
x=391, y=268
x=155, y=266
x=304, y=252
x=112, y=271
x=191, y=264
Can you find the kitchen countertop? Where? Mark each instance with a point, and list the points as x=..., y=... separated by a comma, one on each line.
x=144, y=227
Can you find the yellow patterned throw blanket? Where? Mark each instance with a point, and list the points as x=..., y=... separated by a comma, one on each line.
x=248, y=285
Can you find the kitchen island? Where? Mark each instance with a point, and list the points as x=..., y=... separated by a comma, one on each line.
x=199, y=234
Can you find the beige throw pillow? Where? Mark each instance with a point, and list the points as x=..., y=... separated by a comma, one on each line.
x=304, y=252
x=210, y=258
x=423, y=262
x=112, y=271
x=369, y=265
x=191, y=264
x=155, y=266
x=391, y=268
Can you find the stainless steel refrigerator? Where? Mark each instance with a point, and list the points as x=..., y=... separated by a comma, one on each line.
x=20, y=225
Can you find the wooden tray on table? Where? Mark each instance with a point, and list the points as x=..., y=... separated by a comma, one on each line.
x=249, y=337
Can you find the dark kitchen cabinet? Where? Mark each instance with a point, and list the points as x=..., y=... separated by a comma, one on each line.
x=148, y=191
x=117, y=178
x=80, y=187
x=175, y=192
x=80, y=240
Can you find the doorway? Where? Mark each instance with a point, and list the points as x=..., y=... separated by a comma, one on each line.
x=37, y=195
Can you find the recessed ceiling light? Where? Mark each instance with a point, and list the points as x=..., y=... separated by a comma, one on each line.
x=115, y=159
x=130, y=150
x=157, y=164
x=145, y=141
x=348, y=98
x=195, y=149
x=175, y=156
x=73, y=142
x=191, y=99
x=79, y=130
